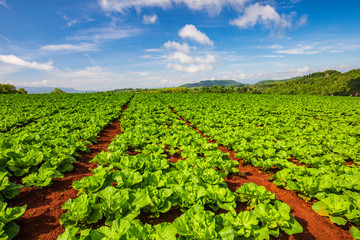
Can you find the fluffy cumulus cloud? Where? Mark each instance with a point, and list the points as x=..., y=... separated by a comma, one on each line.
x=181, y=47
x=263, y=14
x=186, y=62
x=150, y=19
x=180, y=56
x=211, y=6
x=191, y=32
x=16, y=61
x=268, y=17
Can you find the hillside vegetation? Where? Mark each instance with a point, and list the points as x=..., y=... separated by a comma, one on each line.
x=210, y=83
x=329, y=82
x=11, y=89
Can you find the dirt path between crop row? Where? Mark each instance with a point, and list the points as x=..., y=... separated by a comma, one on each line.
x=315, y=226
x=41, y=218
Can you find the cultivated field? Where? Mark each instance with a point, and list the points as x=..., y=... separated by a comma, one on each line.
x=187, y=166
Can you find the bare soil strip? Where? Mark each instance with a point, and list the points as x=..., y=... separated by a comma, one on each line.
x=315, y=226
x=41, y=219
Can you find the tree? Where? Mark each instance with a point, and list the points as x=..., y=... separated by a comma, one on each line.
x=21, y=91
x=7, y=89
x=58, y=91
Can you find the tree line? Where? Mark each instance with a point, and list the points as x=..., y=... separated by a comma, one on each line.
x=6, y=88
x=11, y=89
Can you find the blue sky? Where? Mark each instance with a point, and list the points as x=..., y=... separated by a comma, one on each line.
x=108, y=44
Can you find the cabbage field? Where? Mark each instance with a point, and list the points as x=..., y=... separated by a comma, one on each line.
x=179, y=166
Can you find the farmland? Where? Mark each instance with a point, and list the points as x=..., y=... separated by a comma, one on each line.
x=187, y=166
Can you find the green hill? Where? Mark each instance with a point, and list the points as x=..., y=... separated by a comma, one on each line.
x=210, y=83
x=272, y=81
x=329, y=82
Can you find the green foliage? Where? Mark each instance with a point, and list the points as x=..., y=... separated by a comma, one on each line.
x=355, y=232
x=329, y=82
x=21, y=91
x=211, y=83
x=7, y=89
x=58, y=91
x=8, y=228
x=265, y=221
x=306, y=139
x=254, y=194
x=136, y=177
x=11, y=89
x=57, y=129
x=339, y=208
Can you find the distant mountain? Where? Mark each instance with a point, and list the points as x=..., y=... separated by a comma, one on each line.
x=50, y=89
x=328, y=82
x=210, y=83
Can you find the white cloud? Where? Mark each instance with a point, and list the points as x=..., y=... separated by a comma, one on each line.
x=340, y=48
x=98, y=78
x=300, y=49
x=13, y=60
x=187, y=59
x=284, y=73
x=177, y=46
x=182, y=59
x=183, y=62
x=275, y=46
x=153, y=50
x=88, y=72
x=303, y=20
x=299, y=71
x=180, y=56
x=256, y=13
x=213, y=7
x=3, y=3
x=83, y=47
x=73, y=21
x=141, y=74
x=191, y=32
x=122, y=5
x=88, y=78
x=105, y=33
x=6, y=70
x=34, y=83
x=190, y=68
x=271, y=56
x=150, y=19
x=268, y=17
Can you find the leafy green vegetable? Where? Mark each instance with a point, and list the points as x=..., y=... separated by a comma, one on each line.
x=8, y=228
x=254, y=194
x=355, y=232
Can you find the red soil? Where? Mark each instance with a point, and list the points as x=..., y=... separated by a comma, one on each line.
x=41, y=219
x=351, y=163
x=314, y=225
